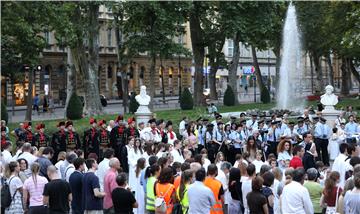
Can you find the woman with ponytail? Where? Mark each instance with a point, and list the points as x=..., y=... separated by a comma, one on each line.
x=182, y=191
x=139, y=191
x=331, y=192
x=33, y=191
x=15, y=185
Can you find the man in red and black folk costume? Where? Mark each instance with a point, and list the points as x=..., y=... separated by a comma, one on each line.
x=91, y=139
x=117, y=136
x=131, y=131
x=41, y=139
x=58, y=141
x=104, y=135
x=162, y=131
x=4, y=138
x=27, y=135
x=72, y=138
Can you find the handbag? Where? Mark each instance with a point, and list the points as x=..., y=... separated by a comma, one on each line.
x=332, y=210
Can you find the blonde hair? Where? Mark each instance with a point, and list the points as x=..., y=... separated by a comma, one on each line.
x=35, y=168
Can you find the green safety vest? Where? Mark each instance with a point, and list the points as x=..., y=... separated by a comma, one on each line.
x=185, y=201
x=150, y=195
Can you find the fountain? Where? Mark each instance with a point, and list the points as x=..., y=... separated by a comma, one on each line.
x=291, y=72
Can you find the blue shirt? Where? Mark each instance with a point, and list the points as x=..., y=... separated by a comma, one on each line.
x=91, y=182
x=75, y=182
x=201, y=198
x=322, y=131
x=351, y=129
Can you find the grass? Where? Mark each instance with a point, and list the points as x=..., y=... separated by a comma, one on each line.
x=176, y=115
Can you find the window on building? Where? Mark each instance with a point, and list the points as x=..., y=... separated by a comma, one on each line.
x=181, y=39
x=109, y=37
x=230, y=47
x=47, y=39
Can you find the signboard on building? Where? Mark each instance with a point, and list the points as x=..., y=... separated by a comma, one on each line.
x=248, y=70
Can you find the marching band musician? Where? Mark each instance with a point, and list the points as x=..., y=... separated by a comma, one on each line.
x=58, y=141
x=91, y=139
x=117, y=136
x=131, y=130
x=72, y=137
x=104, y=138
x=27, y=135
x=41, y=139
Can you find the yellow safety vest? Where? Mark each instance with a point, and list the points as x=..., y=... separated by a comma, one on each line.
x=150, y=196
x=185, y=201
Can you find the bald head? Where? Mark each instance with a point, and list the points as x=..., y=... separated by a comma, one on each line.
x=114, y=163
x=52, y=172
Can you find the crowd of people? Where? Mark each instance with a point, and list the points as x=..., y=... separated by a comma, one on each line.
x=250, y=164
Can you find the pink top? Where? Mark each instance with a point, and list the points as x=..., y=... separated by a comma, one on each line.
x=35, y=191
x=109, y=185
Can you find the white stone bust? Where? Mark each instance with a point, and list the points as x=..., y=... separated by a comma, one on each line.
x=143, y=99
x=329, y=98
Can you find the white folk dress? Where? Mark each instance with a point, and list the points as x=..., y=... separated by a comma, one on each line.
x=132, y=160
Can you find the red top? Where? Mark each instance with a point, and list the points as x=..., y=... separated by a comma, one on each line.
x=330, y=198
x=296, y=162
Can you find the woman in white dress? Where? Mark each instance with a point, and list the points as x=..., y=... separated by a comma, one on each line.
x=15, y=185
x=334, y=143
x=284, y=153
x=139, y=190
x=134, y=154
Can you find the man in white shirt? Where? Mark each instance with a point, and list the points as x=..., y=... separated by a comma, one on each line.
x=340, y=164
x=26, y=154
x=223, y=177
x=252, y=123
x=104, y=167
x=70, y=157
x=246, y=185
x=182, y=125
x=201, y=198
x=295, y=197
x=151, y=133
x=6, y=153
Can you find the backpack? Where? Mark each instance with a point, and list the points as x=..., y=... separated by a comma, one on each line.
x=160, y=203
x=6, y=198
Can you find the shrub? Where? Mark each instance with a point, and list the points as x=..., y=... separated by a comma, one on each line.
x=229, y=97
x=133, y=105
x=74, y=109
x=265, y=95
x=4, y=113
x=186, y=100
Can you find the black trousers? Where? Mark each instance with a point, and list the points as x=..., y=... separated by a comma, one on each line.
x=232, y=154
x=322, y=150
x=212, y=151
x=272, y=148
x=38, y=210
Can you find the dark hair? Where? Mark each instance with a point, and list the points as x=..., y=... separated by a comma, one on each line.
x=121, y=179
x=109, y=153
x=151, y=170
x=268, y=178
x=22, y=159
x=78, y=162
x=148, y=148
x=234, y=175
x=89, y=162
x=334, y=130
x=185, y=166
x=48, y=150
x=357, y=180
x=354, y=161
x=139, y=166
x=176, y=165
x=166, y=176
x=200, y=174
x=250, y=169
x=70, y=157
x=212, y=169
x=330, y=182
x=152, y=160
x=343, y=147
x=79, y=152
x=256, y=183
x=306, y=134
x=185, y=178
x=198, y=158
x=162, y=162
x=12, y=165
x=297, y=149
x=351, y=148
x=299, y=174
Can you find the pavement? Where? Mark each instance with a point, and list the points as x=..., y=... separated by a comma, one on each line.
x=114, y=107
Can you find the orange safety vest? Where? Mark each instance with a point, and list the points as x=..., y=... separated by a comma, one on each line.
x=168, y=190
x=215, y=186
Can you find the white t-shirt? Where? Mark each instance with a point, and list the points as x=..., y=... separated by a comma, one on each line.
x=101, y=172
x=68, y=171
x=258, y=164
x=15, y=183
x=182, y=126
x=58, y=165
x=30, y=158
x=178, y=157
x=6, y=156
x=245, y=189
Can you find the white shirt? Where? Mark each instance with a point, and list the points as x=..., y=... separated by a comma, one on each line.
x=30, y=158
x=101, y=172
x=171, y=141
x=201, y=198
x=225, y=182
x=258, y=164
x=295, y=199
x=178, y=157
x=58, y=165
x=340, y=166
x=245, y=189
x=6, y=156
x=182, y=126
x=68, y=171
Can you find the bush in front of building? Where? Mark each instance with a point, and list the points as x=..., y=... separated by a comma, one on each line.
x=229, y=96
x=186, y=100
x=4, y=112
x=134, y=105
x=74, y=110
x=265, y=95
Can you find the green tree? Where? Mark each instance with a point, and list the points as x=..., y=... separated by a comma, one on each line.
x=74, y=110
x=186, y=100
x=229, y=97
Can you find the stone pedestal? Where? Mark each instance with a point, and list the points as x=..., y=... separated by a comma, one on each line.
x=330, y=114
x=143, y=114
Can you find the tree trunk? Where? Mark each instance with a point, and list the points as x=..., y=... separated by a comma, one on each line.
x=277, y=68
x=196, y=34
x=12, y=94
x=70, y=79
x=345, y=76
x=318, y=73
x=312, y=73
x=355, y=73
x=162, y=81
x=152, y=80
x=92, y=96
x=233, y=78
x=29, y=97
x=259, y=79
x=331, y=70
x=125, y=88
x=212, y=79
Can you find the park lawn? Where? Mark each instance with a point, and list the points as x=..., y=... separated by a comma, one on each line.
x=176, y=115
